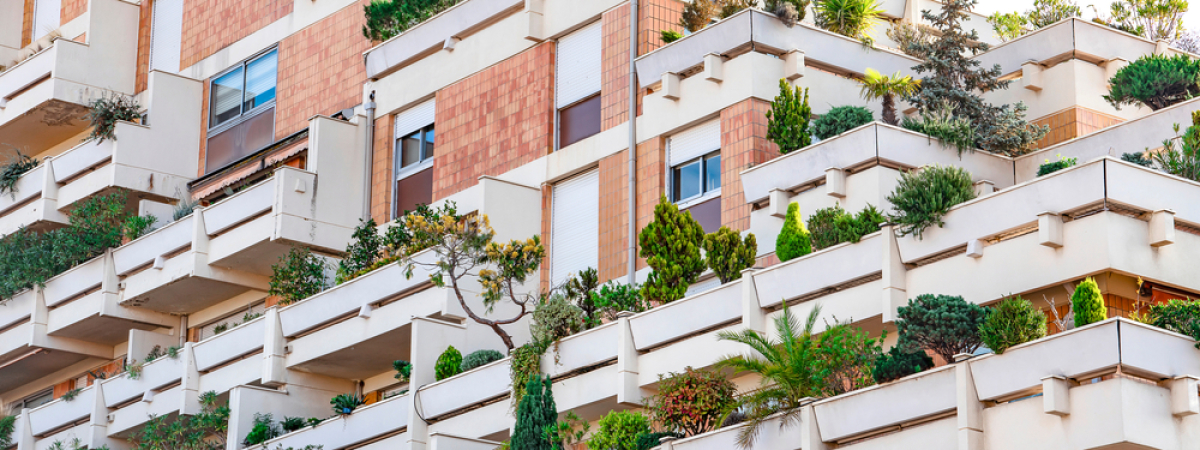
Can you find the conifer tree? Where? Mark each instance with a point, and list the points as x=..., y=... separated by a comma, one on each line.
x=535, y=413
x=794, y=241
x=1088, y=303
x=671, y=245
x=728, y=253
x=787, y=121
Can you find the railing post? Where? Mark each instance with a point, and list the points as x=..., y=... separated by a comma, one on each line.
x=753, y=317
x=895, y=292
x=190, y=381
x=274, y=350
x=98, y=426
x=429, y=339
x=969, y=409
x=629, y=391
x=810, y=434
x=24, y=432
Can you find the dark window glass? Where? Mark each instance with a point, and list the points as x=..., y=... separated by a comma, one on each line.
x=410, y=149
x=429, y=139
x=579, y=121
x=708, y=214
x=686, y=181
x=413, y=190
x=225, y=100
x=260, y=80
x=240, y=140
x=712, y=172
x=248, y=86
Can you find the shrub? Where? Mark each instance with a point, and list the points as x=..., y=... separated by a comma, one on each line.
x=833, y=225
x=612, y=298
x=787, y=121
x=619, y=431
x=448, y=364
x=851, y=18
x=790, y=12
x=794, y=240
x=345, y=403
x=1007, y=133
x=185, y=207
x=187, y=432
x=692, y=402
x=697, y=14
x=898, y=363
x=840, y=120
x=1156, y=81
x=647, y=441
x=669, y=36
x=1180, y=316
x=556, y=318
x=7, y=425
x=943, y=324
x=567, y=432
x=727, y=253
x=535, y=413
x=403, y=370
x=480, y=358
x=943, y=125
x=1138, y=158
x=290, y=424
x=1088, y=303
x=823, y=226
x=1012, y=322
x=106, y=111
x=671, y=245
x=887, y=87
x=361, y=252
x=1156, y=20
x=300, y=274
x=11, y=171
x=388, y=18
x=1009, y=26
x=1049, y=167
x=264, y=429
x=137, y=226
x=910, y=39
x=921, y=198
x=526, y=364
x=1181, y=156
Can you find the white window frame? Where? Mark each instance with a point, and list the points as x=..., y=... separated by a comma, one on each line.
x=427, y=112
x=559, y=104
x=706, y=192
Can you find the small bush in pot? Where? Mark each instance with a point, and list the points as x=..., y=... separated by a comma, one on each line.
x=264, y=429
x=787, y=121
x=106, y=111
x=448, y=364
x=1088, y=303
x=403, y=370
x=345, y=403
x=671, y=245
x=555, y=319
x=922, y=197
x=480, y=358
x=692, y=402
x=1013, y=321
x=11, y=171
x=290, y=424
x=840, y=120
x=298, y=275
x=1155, y=81
x=900, y=361
x=1180, y=316
x=1050, y=167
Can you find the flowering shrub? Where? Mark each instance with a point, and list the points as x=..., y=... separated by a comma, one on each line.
x=692, y=402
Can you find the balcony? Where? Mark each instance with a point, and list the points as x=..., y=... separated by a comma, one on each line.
x=151, y=162
x=43, y=98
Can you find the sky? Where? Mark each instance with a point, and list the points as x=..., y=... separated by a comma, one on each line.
x=1191, y=20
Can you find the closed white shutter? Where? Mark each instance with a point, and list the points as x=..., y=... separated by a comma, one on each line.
x=415, y=118
x=166, y=33
x=694, y=142
x=579, y=56
x=46, y=17
x=575, y=226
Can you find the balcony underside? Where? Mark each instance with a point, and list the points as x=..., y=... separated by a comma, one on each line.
x=44, y=126
x=363, y=359
x=186, y=294
x=32, y=364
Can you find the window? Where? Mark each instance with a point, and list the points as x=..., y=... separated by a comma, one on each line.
x=231, y=321
x=575, y=226
x=166, y=34
x=696, y=178
x=694, y=161
x=241, y=111
x=413, y=154
x=577, y=84
x=34, y=401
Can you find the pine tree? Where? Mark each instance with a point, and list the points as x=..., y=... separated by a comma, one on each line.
x=787, y=121
x=1088, y=303
x=535, y=413
x=671, y=245
x=728, y=254
x=794, y=241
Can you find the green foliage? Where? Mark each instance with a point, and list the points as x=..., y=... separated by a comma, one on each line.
x=556, y=318
x=137, y=226
x=731, y=7
x=1152, y=19
x=840, y=120
x=921, y=198
x=943, y=125
x=1009, y=26
x=1181, y=156
x=946, y=325
x=184, y=208
x=290, y=424
x=1088, y=303
x=345, y=403
x=263, y=430
x=833, y=225
x=7, y=425
x=794, y=240
x=388, y=18
x=480, y=358
x=313, y=421
x=526, y=365
x=851, y=18
x=900, y=361
x=787, y=121
x=887, y=87
x=71, y=394
x=535, y=413
x=727, y=253
x=1138, y=158
x=1050, y=167
x=370, y=250
x=692, y=402
x=671, y=245
x=300, y=274
x=362, y=252
x=612, y=298
x=106, y=111
x=911, y=39
x=1014, y=321
x=1007, y=133
x=207, y=430
x=1156, y=81
x=403, y=370
x=73, y=444
x=449, y=364
x=569, y=431
x=669, y=36
x=619, y=431
x=578, y=290
x=11, y=171
x=790, y=12
x=30, y=258
x=1180, y=316
x=697, y=14
x=647, y=441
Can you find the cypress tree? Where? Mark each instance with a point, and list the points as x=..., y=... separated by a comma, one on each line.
x=535, y=413
x=1087, y=303
x=794, y=241
x=671, y=245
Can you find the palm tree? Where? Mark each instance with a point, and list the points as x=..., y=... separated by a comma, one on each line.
x=790, y=371
x=876, y=85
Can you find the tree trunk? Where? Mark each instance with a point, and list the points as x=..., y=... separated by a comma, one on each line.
x=889, y=110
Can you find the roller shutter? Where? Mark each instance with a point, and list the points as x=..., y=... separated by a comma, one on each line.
x=575, y=226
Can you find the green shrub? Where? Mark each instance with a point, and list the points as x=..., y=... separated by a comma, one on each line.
x=1181, y=156
x=7, y=425
x=865, y=222
x=1156, y=81
x=727, y=253
x=403, y=370
x=794, y=240
x=136, y=226
x=669, y=36
x=840, y=120
x=448, y=364
x=787, y=121
x=567, y=432
x=943, y=125
x=943, y=324
x=1088, y=303
x=898, y=363
x=612, y=298
x=647, y=441
x=361, y=252
x=1180, y=316
x=790, y=12
x=186, y=432
x=1138, y=158
x=1012, y=322
x=290, y=424
x=619, y=431
x=263, y=430
x=556, y=318
x=671, y=245
x=833, y=225
x=922, y=197
x=388, y=18
x=822, y=224
x=480, y=358
x=11, y=171
x=692, y=402
x=106, y=111
x=1050, y=167
x=535, y=413
x=525, y=365
x=345, y=403
x=300, y=274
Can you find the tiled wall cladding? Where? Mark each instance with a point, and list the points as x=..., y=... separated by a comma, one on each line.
x=320, y=70
x=210, y=25
x=614, y=207
x=381, y=170
x=614, y=92
x=1072, y=123
x=72, y=9
x=497, y=120
x=145, y=21
x=744, y=144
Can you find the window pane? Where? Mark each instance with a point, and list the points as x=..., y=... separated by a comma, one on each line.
x=260, y=80
x=712, y=175
x=429, y=140
x=410, y=149
x=579, y=122
x=413, y=190
x=708, y=214
x=240, y=140
x=39, y=399
x=686, y=181
x=225, y=98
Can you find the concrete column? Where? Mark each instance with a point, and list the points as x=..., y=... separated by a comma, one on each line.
x=895, y=292
x=1050, y=229
x=274, y=350
x=969, y=409
x=629, y=392
x=793, y=65
x=199, y=237
x=23, y=435
x=670, y=85
x=38, y=319
x=1185, y=400
x=430, y=338
x=1162, y=228
x=753, y=316
x=835, y=182
x=97, y=434
x=189, y=382
x=1056, y=398
x=810, y=434
x=714, y=68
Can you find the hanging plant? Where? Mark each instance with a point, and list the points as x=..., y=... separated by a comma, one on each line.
x=106, y=111
x=12, y=170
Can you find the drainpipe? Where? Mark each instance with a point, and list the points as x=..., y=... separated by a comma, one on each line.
x=633, y=90
x=367, y=148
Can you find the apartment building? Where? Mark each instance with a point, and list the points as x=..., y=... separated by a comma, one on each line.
x=285, y=127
